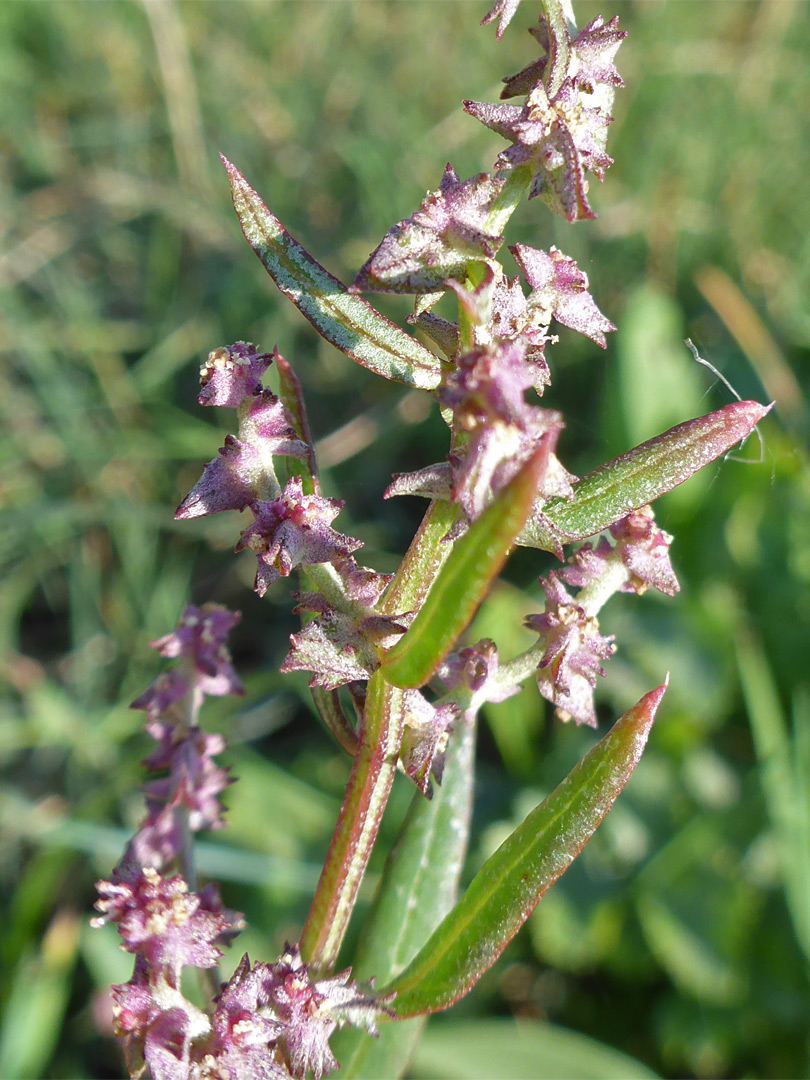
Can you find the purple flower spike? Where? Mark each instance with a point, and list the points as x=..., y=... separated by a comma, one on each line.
x=201, y=636
x=231, y=374
x=294, y=530
x=560, y=288
x=161, y=921
x=574, y=647
x=447, y=231
x=193, y=780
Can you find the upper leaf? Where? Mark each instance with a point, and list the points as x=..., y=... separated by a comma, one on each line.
x=639, y=476
x=348, y=322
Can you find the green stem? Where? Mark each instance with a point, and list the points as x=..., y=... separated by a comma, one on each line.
x=357, y=825
x=375, y=758
x=517, y=180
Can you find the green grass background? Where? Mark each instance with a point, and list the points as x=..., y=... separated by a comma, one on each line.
x=682, y=935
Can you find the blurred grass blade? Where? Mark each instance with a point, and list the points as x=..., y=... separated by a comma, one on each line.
x=640, y=475
x=503, y=1049
x=463, y=580
x=509, y=885
x=784, y=774
x=348, y=322
x=418, y=887
x=39, y=991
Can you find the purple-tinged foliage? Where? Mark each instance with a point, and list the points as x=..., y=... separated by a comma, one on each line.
x=446, y=233
x=503, y=11
x=294, y=530
x=560, y=289
x=590, y=58
x=566, y=674
x=231, y=374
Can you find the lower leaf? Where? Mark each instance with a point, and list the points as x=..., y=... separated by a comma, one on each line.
x=506, y=889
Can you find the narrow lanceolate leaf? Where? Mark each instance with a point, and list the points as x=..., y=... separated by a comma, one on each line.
x=640, y=475
x=504, y=892
x=348, y=322
x=463, y=580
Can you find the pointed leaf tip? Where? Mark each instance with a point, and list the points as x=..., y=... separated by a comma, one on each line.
x=641, y=475
x=348, y=322
x=507, y=888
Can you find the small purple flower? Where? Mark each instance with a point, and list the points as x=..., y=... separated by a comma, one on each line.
x=567, y=671
x=558, y=138
x=476, y=668
x=243, y=1045
x=645, y=552
x=642, y=547
x=337, y=646
x=158, y=699
x=294, y=530
x=201, y=636
x=161, y=921
x=193, y=780
x=447, y=231
x=231, y=374
x=424, y=739
x=485, y=392
x=239, y=475
x=590, y=58
x=560, y=289
x=311, y=1010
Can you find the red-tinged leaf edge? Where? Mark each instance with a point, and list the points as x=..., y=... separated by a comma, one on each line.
x=505, y=891
x=348, y=322
x=639, y=476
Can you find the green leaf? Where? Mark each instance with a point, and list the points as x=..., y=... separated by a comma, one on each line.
x=640, y=475
x=509, y=885
x=499, y=1049
x=419, y=885
x=463, y=580
x=348, y=322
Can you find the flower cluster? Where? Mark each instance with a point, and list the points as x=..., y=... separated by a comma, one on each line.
x=271, y=1021
x=186, y=797
x=268, y=1022
x=572, y=647
x=560, y=131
